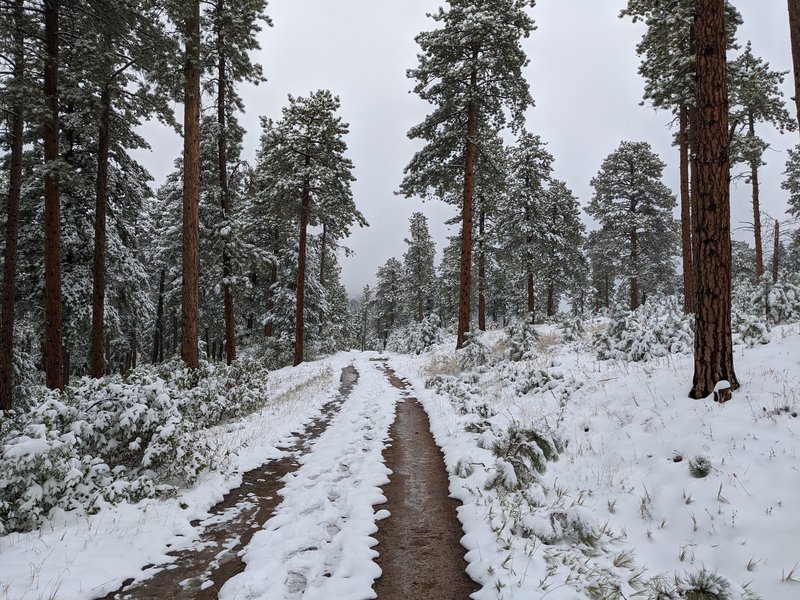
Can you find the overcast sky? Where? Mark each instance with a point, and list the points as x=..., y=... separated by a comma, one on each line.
x=583, y=78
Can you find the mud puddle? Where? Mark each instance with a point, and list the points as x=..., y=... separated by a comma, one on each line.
x=201, y=571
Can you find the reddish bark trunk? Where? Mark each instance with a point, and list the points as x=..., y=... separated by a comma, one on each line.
x=686, y=213
x=323, y=243
x=464, y=308
x=713, y=348
x=158, y=335
x=301, y=273
x=12, y=221
x=482, y=271
x=551, y=297
x=191, y=190
x=225, y=197
x=756, y=210
x=776, y=244
x=97, y=365
x=635, y=265
x=273, y=279
x=53, y=347
x=794, y=34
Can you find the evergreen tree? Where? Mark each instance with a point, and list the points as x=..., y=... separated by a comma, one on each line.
x=419, y=272
x=794, y=37
x=634, y=209
x=470, y=69
x=791, y=181
x=713, y=344
x=388, y=299
x=309, y=174
x=755, y=97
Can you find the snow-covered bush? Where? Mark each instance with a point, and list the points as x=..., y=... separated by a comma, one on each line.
x=749, y=330
x=572, y=330
x=776, y=302
x=522, y=338
x=699, y=466
x=416, y=338
x=653, y=330
x=556, y=526
x=475, y=353
x=521, y=455
x=115, y=438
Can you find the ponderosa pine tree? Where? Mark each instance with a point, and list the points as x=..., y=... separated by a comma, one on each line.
x=791, y=181
x=521, y=212
x=634, y=208
x=388, y=299
x=755, y=97
x=794, y=37
x=308, y=171
x=419, y=272
x=713, y=344
x=470, y=69
x=12, y=39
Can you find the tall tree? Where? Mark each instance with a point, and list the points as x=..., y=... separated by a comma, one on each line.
x=794, y=36
x=419, y=272
x=713, y=345
x=53, y=348
x=755, y=97
x=308, y=170
x=15, y=90
x=634, y=209
x=191, y=186
x=470, y=69
x=235, y=25
x=388, y=298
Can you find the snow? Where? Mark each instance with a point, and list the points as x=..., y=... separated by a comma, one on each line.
x=617, y=510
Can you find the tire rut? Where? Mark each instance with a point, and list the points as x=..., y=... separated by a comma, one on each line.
x=201, y=571
x=419, y=544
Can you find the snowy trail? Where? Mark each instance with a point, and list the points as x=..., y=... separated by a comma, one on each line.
x=318, y=544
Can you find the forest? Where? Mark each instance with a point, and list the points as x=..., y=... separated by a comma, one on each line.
x=141, y=319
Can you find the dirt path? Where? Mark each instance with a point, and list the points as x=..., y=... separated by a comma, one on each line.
x=420, y=553
x=200, y=572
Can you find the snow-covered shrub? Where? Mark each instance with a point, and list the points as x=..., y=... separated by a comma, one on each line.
x=777, y=302
x=416, y=338
x=117, y=438
x=522, y=338
x=699, y=466
x=556, y=526
x=749, y=330
x=572, y=330
x=701, y=585
x=653, y=330
x=521, y=456
x=475, y=353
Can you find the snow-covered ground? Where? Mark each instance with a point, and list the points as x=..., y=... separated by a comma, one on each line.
x=618, y=512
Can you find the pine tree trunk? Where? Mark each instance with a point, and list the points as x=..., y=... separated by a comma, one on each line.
x=465, y=291
x=53, y=349
x=158, y=336
x=756, y=209
x=634, y=265
x=776, y=245
x=794, y=31
x=482, y=270
x=273, y=279
x=323, y=243
x=713, y=348
x=301, y=272
x=607, y=291
x=222, y=151
x=174, y=348
x=686, y=213
x=16, y=133
x=97, y=342
x=364, y=330
x=191, y=190
x=551, y=297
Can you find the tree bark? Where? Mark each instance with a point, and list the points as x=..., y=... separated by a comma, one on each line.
x=482, y=271
x=16, y=132
x=158, y=335
x=273, y=279
x=713, y=347
x=191, y=190
x=776, y=246
x=53, y=349
x=225, y=197
x=794, y=34
x=756, y=209
x=323, y=242
x=634, y=264
x=551, y=300
x=686, y=213
x=301, y=272
x=97, y=342
x=465, y=291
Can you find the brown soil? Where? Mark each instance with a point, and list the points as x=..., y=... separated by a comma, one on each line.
x=420, y=553
x=215, y=558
